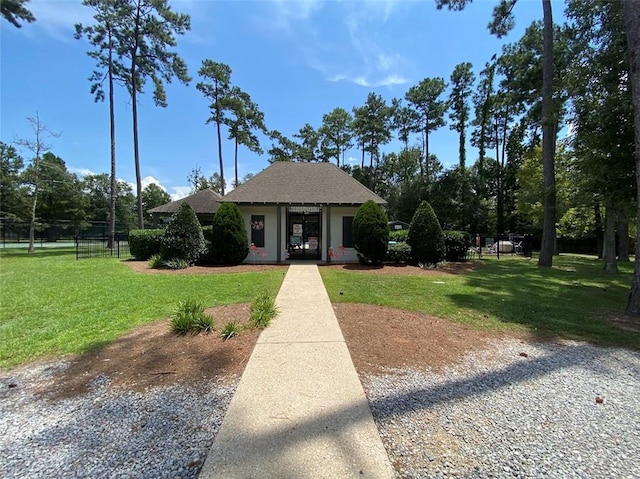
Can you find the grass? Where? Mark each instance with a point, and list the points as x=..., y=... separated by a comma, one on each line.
x=52, y=304
x=569, y=300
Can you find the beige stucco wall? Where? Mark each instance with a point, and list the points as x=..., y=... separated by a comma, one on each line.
x=269, y=253
x=337, y=213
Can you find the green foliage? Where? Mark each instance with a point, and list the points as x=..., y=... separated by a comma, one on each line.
x=572, y=300
x=207, y=232
x=371, y=233
x=155, y=261
x=152, y=197
x=189, y=317
x=75, y=296
x=456, y=245
x=176, y=263
x=399, y=253
x=398, y=235
x=425, y=236
x=263, y=310
x=229, y=242
x=183, y=237
x=231, y=329
x=143, y=244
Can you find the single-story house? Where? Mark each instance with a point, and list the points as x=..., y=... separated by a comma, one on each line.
x=205, y=203
x=398, y=225
x=301, y=211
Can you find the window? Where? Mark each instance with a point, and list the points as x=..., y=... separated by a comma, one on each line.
x=347, y=231
x=257, y=230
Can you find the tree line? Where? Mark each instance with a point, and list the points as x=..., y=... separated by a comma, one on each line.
x=581, y=76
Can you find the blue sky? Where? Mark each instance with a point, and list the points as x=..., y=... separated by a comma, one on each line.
x=297, y=59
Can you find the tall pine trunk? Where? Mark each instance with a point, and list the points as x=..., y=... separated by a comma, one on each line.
x=112, y=133
x=623, y=235
x=631, y=11
x=548, y=141
x=34, y=202
x=235, y=162
x=609, y=250
x=220, y=154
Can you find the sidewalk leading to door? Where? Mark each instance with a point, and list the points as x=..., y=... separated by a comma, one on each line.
x=299, y=410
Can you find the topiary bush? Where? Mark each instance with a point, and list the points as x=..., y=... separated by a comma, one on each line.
x=371, y=233
x=425, y=236
x=183, y=239
x=143, y=244
x=456, y=245
x=229, y=241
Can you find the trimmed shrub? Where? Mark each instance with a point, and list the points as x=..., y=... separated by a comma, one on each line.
x=425, y=236
x=371, y=233
x=263, y=310
x=399, y=253
x=143, y=244
x=456, y=245
x=207, y=258
x=207, y=232
x=189, y=317
x=399, y=236
x=183, y=237
x=229, y=241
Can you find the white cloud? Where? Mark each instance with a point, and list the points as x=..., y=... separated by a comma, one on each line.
x=81, y=171
x=179, y=192
x=57, y=18
x=285, y=15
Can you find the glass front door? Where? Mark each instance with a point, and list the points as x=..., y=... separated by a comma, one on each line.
x=303, y=226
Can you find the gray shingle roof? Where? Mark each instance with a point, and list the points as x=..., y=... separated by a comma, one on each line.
x=204, y=201
x=286, y=182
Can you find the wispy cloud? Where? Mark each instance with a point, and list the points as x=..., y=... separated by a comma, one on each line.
x=81, y=171
x=56, y=19
x=344, y=43
x=286, y=15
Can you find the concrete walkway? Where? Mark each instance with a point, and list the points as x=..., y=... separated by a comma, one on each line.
x=299, y=410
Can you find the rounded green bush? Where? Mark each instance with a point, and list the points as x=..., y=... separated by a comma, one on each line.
x=143, y=244
x=183, y=237
x=456, y=245
x=425, y=236
x=229, y=242
x=371, y=233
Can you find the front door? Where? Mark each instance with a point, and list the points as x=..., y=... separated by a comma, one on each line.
x=304, y=232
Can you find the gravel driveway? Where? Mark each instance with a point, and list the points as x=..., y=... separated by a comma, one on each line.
x=515, y=410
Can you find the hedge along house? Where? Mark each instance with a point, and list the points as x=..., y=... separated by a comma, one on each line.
x=204, y=202
x=301, y=211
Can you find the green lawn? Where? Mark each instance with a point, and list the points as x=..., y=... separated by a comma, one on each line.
x=52, y=304
x=567, y=301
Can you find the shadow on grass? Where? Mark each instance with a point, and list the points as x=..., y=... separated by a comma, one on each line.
x=570, y=300
x=69, y=252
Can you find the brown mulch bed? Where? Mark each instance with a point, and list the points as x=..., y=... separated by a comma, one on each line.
x=152, y=355
x=407, y=270
x=378, y=339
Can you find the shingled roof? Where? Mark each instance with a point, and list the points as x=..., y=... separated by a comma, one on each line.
x=202, y=202
x=286, y=182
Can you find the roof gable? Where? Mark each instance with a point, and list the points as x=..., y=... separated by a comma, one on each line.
x=286, y=182
x=202, y=202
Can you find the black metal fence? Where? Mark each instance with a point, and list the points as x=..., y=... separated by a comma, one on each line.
x=99, y=247
x=16, y=232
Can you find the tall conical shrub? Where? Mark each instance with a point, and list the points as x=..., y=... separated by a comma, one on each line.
x=183, y=237
x=371, y=233
x=229, y=242
x=425, y=236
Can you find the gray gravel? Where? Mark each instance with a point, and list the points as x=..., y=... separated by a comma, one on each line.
x=165, y=432
x=517, y=409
